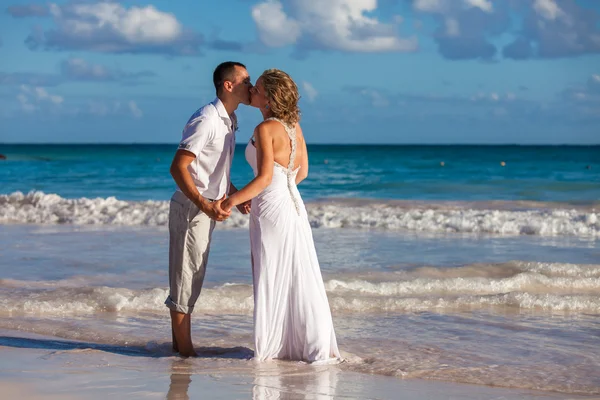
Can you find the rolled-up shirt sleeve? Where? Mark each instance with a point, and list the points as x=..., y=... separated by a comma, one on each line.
x=196, y=134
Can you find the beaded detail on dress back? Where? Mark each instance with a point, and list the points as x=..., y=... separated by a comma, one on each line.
x=291, y=132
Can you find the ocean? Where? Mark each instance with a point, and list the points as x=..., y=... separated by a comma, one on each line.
x=467, y=264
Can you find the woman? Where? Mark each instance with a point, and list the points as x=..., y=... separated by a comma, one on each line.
x=292, y=319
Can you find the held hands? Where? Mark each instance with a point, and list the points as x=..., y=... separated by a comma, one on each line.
x=244, y=207
x=220, y=210
x=216, y=211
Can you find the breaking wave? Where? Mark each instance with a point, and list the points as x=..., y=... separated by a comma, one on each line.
x=521, y=285
x=41, y=208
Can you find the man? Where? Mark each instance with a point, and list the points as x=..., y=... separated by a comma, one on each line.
x=201, y=168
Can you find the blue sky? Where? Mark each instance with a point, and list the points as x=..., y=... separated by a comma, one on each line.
x=386, y=71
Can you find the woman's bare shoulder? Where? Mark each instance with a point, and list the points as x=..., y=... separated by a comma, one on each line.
x=299, y=134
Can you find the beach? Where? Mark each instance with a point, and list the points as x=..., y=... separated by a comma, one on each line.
x=430, y=229
x=67, y=370
x=59, y=370
x=490, y=291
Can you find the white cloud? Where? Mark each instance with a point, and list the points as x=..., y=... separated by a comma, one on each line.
x=433, y=6
x=465, y=27
x=446, y=6
x=79, y=68
x=472, y=29
x=377, y=99
x=548, y=9
x=32, y=98
x=111, y=28
x=38, y=99
x=25, y=103
x=42, y=94
x=104, y=107
x=554, y=29
x=310, y=91
x=135, y=111
x=75, y=69
x=493, y=97
x=137, y=25
x=334, y=24
x=275, y=28
x=483, y=5
x=586, y=93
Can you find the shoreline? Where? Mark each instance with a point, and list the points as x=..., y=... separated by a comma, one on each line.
x=38, y=373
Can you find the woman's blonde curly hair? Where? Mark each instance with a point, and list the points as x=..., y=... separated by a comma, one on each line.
x=282, y=92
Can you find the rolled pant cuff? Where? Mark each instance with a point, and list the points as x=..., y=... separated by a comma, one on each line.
x=178, y=307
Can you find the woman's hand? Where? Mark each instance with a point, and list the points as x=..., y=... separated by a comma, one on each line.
x=244, y=208
x=227, y=205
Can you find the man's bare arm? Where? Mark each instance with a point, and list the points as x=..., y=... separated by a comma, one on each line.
x=183, y=178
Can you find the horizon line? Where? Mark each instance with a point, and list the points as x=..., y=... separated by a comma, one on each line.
x=310, y=144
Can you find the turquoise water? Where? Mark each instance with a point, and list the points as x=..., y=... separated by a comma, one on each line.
x=470, y=173
x=469, y=272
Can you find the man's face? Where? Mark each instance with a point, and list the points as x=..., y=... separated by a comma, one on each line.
x=241, y=85
x=258, y=97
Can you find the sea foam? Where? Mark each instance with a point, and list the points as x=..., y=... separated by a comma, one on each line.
x=41, y=208
x=525, y=285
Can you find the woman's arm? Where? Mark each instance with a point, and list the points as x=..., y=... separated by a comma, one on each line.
x=265, y=161
x=303, y=172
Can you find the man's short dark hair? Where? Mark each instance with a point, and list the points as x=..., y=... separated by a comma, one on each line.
x=224, y=72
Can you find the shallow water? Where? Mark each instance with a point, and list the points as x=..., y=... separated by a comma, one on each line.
x=512, y=311
x=467, y=272
x=37, y=367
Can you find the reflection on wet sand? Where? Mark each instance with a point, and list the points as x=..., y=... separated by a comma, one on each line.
x=291, y=380
x=281, y=380
x=181, y=377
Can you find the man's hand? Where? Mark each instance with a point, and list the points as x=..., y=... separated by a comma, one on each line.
x=215, y=211
x=244, y=208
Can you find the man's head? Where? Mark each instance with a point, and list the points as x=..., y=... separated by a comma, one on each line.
x=232, y=82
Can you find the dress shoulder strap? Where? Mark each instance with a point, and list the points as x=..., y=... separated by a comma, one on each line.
x=291, y=131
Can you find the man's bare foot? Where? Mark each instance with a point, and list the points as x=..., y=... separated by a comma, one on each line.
x=186, y=354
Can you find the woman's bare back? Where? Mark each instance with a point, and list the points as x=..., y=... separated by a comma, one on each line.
x=282, y=145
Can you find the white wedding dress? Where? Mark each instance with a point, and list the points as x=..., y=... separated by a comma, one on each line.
x=292, y=319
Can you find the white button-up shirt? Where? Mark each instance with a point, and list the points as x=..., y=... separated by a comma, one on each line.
x=210, y=136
